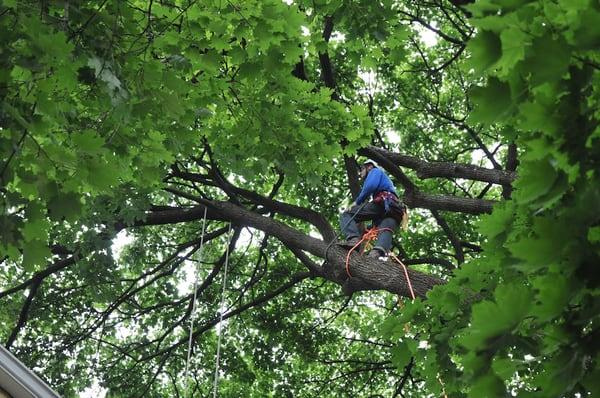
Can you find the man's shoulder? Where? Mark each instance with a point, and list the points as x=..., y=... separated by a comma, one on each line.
x=377, y=171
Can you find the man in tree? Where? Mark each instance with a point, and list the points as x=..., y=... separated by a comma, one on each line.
x=385, y=210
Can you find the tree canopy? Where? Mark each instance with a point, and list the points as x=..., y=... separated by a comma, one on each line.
x=125, y=124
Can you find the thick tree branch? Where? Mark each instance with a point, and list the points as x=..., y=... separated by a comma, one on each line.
x=511, y=165
x=24, y=313
x=298, y=212
x=430, y=260
x=327, y=74
x=448, y=203
x=458, y=251
x=352, y=173
x=427, y=169
x=370, y=273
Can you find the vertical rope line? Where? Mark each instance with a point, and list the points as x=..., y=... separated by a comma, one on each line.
x=193, y=313
x=216, y=383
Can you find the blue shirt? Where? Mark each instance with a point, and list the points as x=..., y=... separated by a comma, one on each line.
x=375, y=182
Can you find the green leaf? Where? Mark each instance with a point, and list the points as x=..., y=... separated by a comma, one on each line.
x=534, y=116
x=553, y=293
x=593, y=235
x=561, y=372
x=547, y=61
x=485, y=49
x=488, y=385
x=505, y=368
x=514, y=41
x=250, y=70
x=102, y=174
x=535, y=179
x=492, y=103
x=65, y=205
x=491, y=320
x=401, y=355
x=498, y=222
x=88, y=141
x=541, y=248
x=35, y=253
x=586, y=36
x=36, y=229
x=482, y=8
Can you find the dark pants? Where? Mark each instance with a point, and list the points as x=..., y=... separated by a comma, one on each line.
x=376, y=213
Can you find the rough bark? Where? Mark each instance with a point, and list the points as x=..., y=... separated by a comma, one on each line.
x=448, y=203
x=454, y=240
x=511, y=165
x=427, y=169
x=367, y=273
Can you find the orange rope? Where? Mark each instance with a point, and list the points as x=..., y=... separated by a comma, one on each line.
x=369, y=235
x=410, y=288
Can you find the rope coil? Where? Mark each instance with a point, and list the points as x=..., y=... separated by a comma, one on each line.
x=370, y=235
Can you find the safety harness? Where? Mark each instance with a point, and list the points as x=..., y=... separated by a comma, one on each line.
x=393, y=207
x=387, y=198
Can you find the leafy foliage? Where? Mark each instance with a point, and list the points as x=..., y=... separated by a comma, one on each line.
x=115, y=115
x=534, y=329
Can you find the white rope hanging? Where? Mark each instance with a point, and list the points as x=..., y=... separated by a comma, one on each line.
x=221, y=329
x=193, y=313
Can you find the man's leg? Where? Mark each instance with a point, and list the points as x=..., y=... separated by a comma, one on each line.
x=387, y=227
x=349, y=219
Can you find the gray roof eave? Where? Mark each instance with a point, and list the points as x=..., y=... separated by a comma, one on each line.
x=19, y=381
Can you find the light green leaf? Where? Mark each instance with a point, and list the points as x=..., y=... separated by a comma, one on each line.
x=498, y=222
x=594, y=234
x=514, y=41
